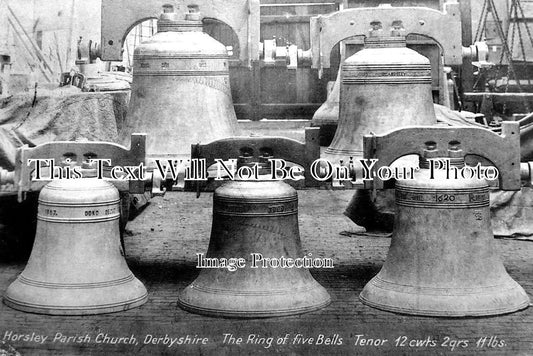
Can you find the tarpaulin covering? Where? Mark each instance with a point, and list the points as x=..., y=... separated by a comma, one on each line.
x=63, y=114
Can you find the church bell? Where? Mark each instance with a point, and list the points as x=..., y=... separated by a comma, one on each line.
x=256, y=220
x=76, y=266
x=327, y=115
x=443, y=259
x=180, y=91
x=382, y=87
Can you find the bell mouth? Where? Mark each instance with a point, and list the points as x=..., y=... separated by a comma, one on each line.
x=507, y=297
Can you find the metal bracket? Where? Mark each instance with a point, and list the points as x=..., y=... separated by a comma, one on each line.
x=442, y=26
x=303, y=154
x=120, y=16
x=78, y=152
x=503, y=151
x=73, y=78
x=293, y=56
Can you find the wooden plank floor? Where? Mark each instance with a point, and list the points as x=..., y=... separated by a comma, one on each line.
x=161, y=245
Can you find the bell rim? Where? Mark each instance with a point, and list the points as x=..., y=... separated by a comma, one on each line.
x=511, y=289
x=313, y=296
x=429, y=313
x=249, y=314
x=72, y=310
x=128, y=293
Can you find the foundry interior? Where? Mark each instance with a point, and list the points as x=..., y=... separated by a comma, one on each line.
x=301, y=177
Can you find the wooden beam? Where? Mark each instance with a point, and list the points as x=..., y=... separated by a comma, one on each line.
x=498, y=97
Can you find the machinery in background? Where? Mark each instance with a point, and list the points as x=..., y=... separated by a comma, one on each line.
x=504, y=88
x=88, y=74
x=5, y=58
x=5, y=69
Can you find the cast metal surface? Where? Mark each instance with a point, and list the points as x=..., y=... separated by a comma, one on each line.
x=327, y=115
x=180, y=90
x=327, y=30
x=383, y=87
x=254, y=217
x=76, y=266
x=443, y=260
x=119, y=16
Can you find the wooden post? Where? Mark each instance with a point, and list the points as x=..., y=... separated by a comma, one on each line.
x=255, y=97
x=72, y=41
x=467, y=70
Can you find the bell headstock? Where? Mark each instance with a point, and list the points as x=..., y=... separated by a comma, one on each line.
x=78, y=153
x=503, y=150
x=301, y=153
x=442, y=26
x=119, y=16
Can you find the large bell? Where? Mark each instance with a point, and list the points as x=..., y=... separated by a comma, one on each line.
x=76, y=266
x=250, y=218
x=443, y=260
x=180, y=91
x=327, y=115
x=383, y=87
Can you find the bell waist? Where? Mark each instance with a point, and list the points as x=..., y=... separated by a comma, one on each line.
x=255, y=206
x=424, y=197
x=353, y=73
